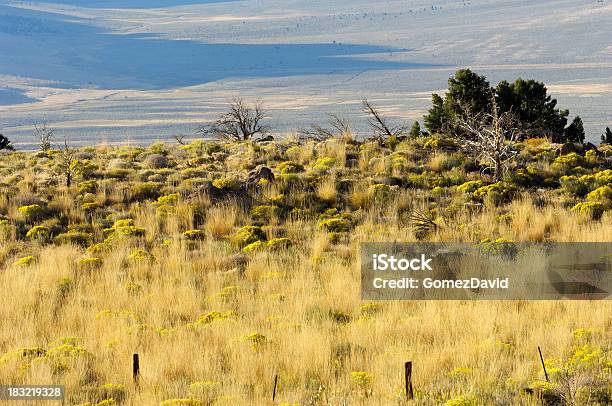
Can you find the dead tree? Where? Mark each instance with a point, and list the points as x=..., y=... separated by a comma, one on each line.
x=489, y=137
x=68, y=163
x=179, y=138
x=241, y=123
x=44, y=135
x=337, y=127
x=380, y=124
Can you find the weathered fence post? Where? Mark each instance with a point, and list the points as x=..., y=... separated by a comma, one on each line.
x=136, y=369
x=408, y=376
x=274, y=390
x=543, y=365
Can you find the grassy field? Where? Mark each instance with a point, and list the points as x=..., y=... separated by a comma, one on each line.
x=221, y=277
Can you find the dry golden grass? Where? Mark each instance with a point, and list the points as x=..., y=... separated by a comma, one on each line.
x=202, y=311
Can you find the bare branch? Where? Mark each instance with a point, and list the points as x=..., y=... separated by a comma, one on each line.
x=379, y=123
x=489, y=137
x=180, y=138
x=337, y=127
x=44, y=135
x=67, y=162
x=242, y=122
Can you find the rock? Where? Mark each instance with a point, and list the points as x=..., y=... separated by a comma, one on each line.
x=267, y=138
x=261, y=173
x=568, y=148
x=156, y=161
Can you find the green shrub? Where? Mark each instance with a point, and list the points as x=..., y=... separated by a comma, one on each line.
x=140, y=255
x=437, y=142
x=324, y=164
x=117, y=173
x=194, y=235
x=594, y=210
x=496, y=193
x=602, y=194
x=74, y=238
x=338, y=224
x=144, y=191
x=279, y=243
x=168, y=200
x=470, y=187
x=90, y=207
x=570, y=160
x=289, y=167
x=226, y=184
x=250, y=234
x=24, y=261
x=255, y=246
x=39, y=233
x=112, y=391
x=126, y=228
x=88, y=186
x=90, y=263
x=265, y=213
x=380, y=192
x=32, y=212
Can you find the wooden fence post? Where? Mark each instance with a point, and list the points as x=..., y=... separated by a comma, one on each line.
x=136, y=368
x=543, y=365
x=408, y=376
x=274, y=390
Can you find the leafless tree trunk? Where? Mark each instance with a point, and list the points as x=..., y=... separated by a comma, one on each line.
x=180, y=138
x=67, y=162
x=489, y=137
x=337, y=127
x=379, y=123
x=242, y=122
x=44, y=135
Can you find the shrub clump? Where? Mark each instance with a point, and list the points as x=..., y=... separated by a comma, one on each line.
x=126, y=228
x=289, y=167
x=144, y=191
x=249, y=235
x=593, y=210
x=140, y=255
x=496, y=193
x=38, y=233
x=340, y=223
x=32, y=212
x=265, y=213
x=156, y=161
x=226, y=184
x=194, y=235
x=24, y=261
x=470, y=186
x=73, y=237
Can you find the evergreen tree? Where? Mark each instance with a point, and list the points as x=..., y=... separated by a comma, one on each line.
x=437, y=119
x=607, y=137
x=415, y=130
x=575, y=131
x=5, y=143
x=468, y=90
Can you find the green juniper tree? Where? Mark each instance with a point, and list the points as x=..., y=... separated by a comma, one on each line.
x=5, y=144
x=607, y=137
x=437, y=119
x=415, y=130
x=575, y=131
